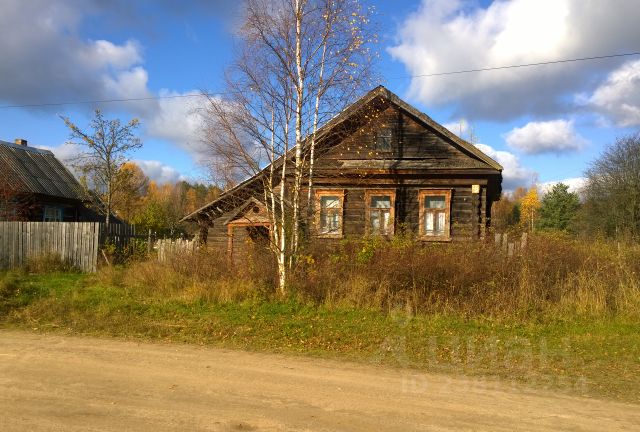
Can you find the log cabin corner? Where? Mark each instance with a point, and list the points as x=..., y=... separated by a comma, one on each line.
x=381, y=166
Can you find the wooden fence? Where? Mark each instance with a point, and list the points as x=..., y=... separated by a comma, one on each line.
x=511, y=246
x=75, y=242
x=167, y=248
x=79, y=243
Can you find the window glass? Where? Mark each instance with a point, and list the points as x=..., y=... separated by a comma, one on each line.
x=381, y=201
x=383, y=140
x=434, y=202
x=330, y=215
x=380, y=221
x=435, y=215
x=329, y=202
x=52, y=214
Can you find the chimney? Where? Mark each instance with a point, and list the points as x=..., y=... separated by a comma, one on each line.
x=20, y=141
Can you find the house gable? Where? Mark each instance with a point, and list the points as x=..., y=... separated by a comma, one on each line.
x=388, y=137
x=346, y=147
x=251, y=213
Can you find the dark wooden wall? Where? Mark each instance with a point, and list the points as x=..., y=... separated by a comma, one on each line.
x=420, y=158
x=468, y=211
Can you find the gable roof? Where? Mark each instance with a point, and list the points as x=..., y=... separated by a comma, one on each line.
x=39, y=172
x=385, y=93
x=348, y=112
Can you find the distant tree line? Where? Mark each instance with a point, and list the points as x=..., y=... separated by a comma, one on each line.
x=608, y=205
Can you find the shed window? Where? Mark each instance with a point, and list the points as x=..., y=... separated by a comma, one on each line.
x=380, y=211
x=435, y=214
x=52, y=214
x=329, y=209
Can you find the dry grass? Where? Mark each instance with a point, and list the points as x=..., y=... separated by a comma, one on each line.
x=201, y=276
x=48, y=263
x=554, y=276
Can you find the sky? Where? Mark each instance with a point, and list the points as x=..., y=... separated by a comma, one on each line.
x=544, y=124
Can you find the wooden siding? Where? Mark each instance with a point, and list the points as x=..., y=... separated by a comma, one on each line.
x=419, y=157
x=414, y=146
x=467, y=209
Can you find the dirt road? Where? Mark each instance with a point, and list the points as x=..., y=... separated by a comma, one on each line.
x=51, y=383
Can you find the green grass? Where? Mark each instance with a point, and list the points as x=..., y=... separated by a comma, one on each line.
x=591, y=357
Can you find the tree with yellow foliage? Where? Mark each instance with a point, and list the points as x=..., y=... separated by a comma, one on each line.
x=132, y=188
x=529, y=207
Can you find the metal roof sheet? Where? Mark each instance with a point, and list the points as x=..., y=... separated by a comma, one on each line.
x=39, y=172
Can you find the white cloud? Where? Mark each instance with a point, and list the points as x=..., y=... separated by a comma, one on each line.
x=179, y=120
x=155, y=170
x=44, y=59
x=618, y=97
x=451, y=35
x=513, y=174
x=576, y=184
x=64, y=152
x=160, y=172
x=555, y=136
x=460, y=128
x=49, y=61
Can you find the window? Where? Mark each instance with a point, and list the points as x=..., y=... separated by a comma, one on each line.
x=329, y=212
x=52, y=214
x=435, y=214
x=380, y=211
x=384, y=140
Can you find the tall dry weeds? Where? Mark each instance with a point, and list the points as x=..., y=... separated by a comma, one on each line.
x=553, y=276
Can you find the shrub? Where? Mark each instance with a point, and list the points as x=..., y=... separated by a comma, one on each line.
x=554, y=274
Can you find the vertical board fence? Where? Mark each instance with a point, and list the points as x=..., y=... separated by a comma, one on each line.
x=79, y=243
x=168, y=248
x=74, y=242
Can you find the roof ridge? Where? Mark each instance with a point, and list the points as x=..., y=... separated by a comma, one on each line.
x=25, y=148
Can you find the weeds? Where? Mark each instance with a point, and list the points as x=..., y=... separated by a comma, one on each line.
x=554, y=277
x=563, y=313
x=48, y=263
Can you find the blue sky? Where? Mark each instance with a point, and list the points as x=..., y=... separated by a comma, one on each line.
x=542, y=123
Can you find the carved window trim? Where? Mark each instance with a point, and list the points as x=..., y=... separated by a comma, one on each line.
x=368, y=195
x=320, y=193
x=446, y=210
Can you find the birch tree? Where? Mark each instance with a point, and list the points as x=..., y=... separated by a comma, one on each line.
x=299, y=63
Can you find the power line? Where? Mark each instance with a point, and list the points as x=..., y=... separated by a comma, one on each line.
x=458, y=72
x=520, y=65
x=98, y=101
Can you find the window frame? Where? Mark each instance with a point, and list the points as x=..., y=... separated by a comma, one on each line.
x=379, y=133
x=422, y=194
x=319, y=193
x=368, y=194
x=59, y=214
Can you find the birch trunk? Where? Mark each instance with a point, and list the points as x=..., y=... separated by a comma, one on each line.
x=298, y=157
x=312, y=150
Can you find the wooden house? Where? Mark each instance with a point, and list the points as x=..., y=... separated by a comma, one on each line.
x=37, y=187
x=381, y=166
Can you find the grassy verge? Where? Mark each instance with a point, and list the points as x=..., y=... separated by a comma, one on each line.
x=591, y=357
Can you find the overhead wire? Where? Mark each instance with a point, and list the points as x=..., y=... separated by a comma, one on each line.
x=435, y=74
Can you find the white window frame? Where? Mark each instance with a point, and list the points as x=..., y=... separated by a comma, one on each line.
x=320, y=193
x=368, y=195
x=424, y=235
